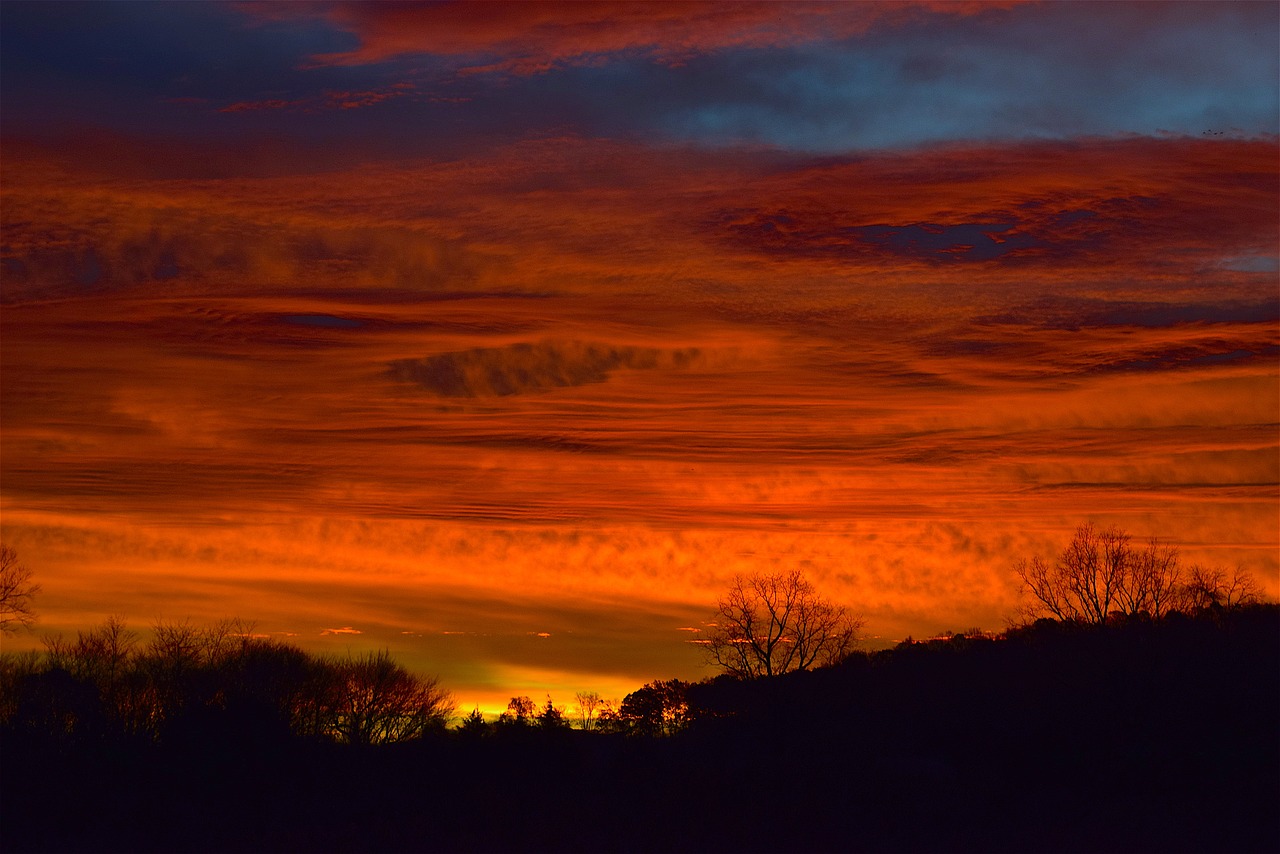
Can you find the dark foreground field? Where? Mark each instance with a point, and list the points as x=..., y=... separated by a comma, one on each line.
x=1143, y=736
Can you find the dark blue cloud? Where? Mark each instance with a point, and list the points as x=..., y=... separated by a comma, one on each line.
x=1192, y=357
x=141, y=68
x=1080, y=313
x=967, y=241
x=1040, y=71
x=195, y=49
x=927, y=241
x=97, y=80
x=525, y=368
x=328, y=321
x=206, y=73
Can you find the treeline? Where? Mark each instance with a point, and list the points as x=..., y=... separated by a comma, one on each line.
x=1103, y=575
x=1134, y=734
x=190, y=681
x=655, y=709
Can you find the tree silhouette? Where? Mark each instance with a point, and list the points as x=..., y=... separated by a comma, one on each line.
x=188, y=684
x=1209, y=587
x=188, y=668
x=658, y=708
x=375, y=701
x=276, y=682
x=520, y=712
x=474, y=725
x=1099, y=573
x=552, y=716
x=101, y=654
x=16, y=592
x=772, y=624
x=104, y=657
x=588, y=706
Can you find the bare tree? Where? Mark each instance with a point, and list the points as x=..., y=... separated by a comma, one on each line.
x=182, y=646
x=16, y=592
x=106, y=657
x=376, y=700
x=100, y=654
x=1211, y=586
x=773, y=624
x=1153, y=581
x=588, y=704
x=1100, y=573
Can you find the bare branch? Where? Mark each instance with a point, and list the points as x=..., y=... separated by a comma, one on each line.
x=1211, y=587
x=772, y=624
x=1101, y=573
x=16, y=593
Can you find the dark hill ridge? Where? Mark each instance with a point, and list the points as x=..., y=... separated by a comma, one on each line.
x=1144, y=735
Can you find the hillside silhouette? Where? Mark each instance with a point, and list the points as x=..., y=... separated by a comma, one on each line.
x=1138, y=734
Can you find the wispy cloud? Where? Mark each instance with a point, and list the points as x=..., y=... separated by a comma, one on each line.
x=533, y=37
x=328, y=100
x=524, y=368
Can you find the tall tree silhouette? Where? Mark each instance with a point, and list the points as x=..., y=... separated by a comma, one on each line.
x=588, y=706
x=104, y=656
x=772, y=624
x=16, y=592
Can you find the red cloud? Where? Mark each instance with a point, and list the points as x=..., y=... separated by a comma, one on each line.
x=531, y=37
x=571, y=210
x=342, y=100
x=1152, y=207
x=252, y=106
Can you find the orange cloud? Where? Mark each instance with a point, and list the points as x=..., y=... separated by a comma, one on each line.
x=575, y=386
x=555, y=214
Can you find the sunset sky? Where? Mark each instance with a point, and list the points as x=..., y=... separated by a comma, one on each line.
x=504, y=335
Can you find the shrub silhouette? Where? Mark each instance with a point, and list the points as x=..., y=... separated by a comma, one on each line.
x=373, y=700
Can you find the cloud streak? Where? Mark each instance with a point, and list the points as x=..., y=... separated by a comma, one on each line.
x=559, y=336
x=529, y=368
x=536, y=36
